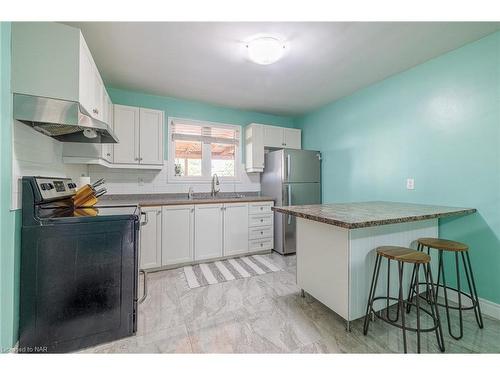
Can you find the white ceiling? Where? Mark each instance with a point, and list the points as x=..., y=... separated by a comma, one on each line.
x=208, y=62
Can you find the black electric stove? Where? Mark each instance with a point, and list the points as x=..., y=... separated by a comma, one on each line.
x=78, y=269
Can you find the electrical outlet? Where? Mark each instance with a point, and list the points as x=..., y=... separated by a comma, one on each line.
x=141, y=181
x=410, y=183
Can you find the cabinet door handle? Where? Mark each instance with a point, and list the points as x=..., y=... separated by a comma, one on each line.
x=146, y=218
x=108, y=154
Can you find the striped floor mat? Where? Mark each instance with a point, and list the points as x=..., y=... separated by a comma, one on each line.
x=226, y=270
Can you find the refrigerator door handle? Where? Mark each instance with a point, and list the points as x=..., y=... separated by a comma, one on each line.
x=288, y=166
x=289, y=203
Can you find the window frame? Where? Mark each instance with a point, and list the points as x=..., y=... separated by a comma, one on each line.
x=205, y=153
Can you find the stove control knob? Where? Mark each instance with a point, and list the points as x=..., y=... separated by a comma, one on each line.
x=43, y=186
x=50, y=186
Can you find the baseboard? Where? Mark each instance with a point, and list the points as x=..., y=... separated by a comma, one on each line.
x=489, y=308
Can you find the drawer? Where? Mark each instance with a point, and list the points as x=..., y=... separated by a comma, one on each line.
x=264, y=244
x=260, y=208
x=260, y=220
x=260, y=232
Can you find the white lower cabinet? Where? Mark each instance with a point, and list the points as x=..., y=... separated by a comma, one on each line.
x=207, y=231
x=235, y=228
x=177, y=234
x=150, y=238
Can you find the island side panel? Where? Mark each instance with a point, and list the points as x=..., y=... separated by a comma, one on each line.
x=362, y=245
x=322, y=263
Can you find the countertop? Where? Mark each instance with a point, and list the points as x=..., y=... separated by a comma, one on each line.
x=145, y=200
x=368, y=214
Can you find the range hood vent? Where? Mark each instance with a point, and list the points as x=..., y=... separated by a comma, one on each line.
x=64, y=120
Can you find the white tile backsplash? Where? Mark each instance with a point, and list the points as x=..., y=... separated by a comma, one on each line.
x=35, y=154
x=137, y=181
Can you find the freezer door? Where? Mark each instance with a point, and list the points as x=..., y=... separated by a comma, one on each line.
x=295, y=194
x=301, y=166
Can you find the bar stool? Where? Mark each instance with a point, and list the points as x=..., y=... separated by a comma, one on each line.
x=419, y=259
x=457, y=248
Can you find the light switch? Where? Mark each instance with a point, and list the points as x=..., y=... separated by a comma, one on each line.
x=410, y=183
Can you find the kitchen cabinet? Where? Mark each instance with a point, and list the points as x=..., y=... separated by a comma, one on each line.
x=278, y=137
x=92, y=153
x=260, y=226
x=150, y=136
x=107, y=148
x=126, y=127
x=177, y=234
x=273, y=136
x=140, y=135
x=53, y=60
x=292, y=138
x=208, y=231
x=254, y=148
x=259, y=136
x=235, y=228
x=151, y=238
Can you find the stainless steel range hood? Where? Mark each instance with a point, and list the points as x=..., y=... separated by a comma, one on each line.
x=64, y=120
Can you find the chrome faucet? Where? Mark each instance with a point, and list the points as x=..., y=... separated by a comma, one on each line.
x=215, y=185
x=190, y=192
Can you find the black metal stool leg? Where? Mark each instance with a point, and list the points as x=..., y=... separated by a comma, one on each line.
x=371, y=295
x=411, y=292
x=445, y=291
x=417, y=305
x=401, y=304
x=429, y=285
x=472, y=289
x=389, y=294
x=460, y=314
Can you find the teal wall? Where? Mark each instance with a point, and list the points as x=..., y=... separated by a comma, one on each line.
x=438, y=122
x=195, y=110
x=9, y=220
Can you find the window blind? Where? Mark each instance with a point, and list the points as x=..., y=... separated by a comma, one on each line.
x=205, y=134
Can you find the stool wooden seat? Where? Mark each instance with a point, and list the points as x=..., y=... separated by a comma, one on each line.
x=403, y=254
x=418, y=260
x=461, y=251
x=441, y=244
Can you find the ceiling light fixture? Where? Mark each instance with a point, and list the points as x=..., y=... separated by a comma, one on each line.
x=265, y=50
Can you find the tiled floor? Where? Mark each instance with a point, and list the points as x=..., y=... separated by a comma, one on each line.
x=265, y=314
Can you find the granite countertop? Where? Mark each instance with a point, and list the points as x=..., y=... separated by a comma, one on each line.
x=368, y=214
x=177, y=199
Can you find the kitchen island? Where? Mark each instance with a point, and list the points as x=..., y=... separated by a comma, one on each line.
x=336, y=247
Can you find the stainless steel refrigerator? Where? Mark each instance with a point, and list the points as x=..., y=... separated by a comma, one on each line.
x=291, y=177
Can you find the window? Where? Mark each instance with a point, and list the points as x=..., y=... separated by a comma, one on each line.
x=198, y=150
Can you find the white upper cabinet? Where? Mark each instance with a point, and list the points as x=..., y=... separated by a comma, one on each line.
x=273, y=136
x=53, y=60
x=126, y=123
x=140, y=135
x=278, y=137
x=254, y=148
x=108, y=114
x=292, y=138
x=150, y=136
x=258, y=137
